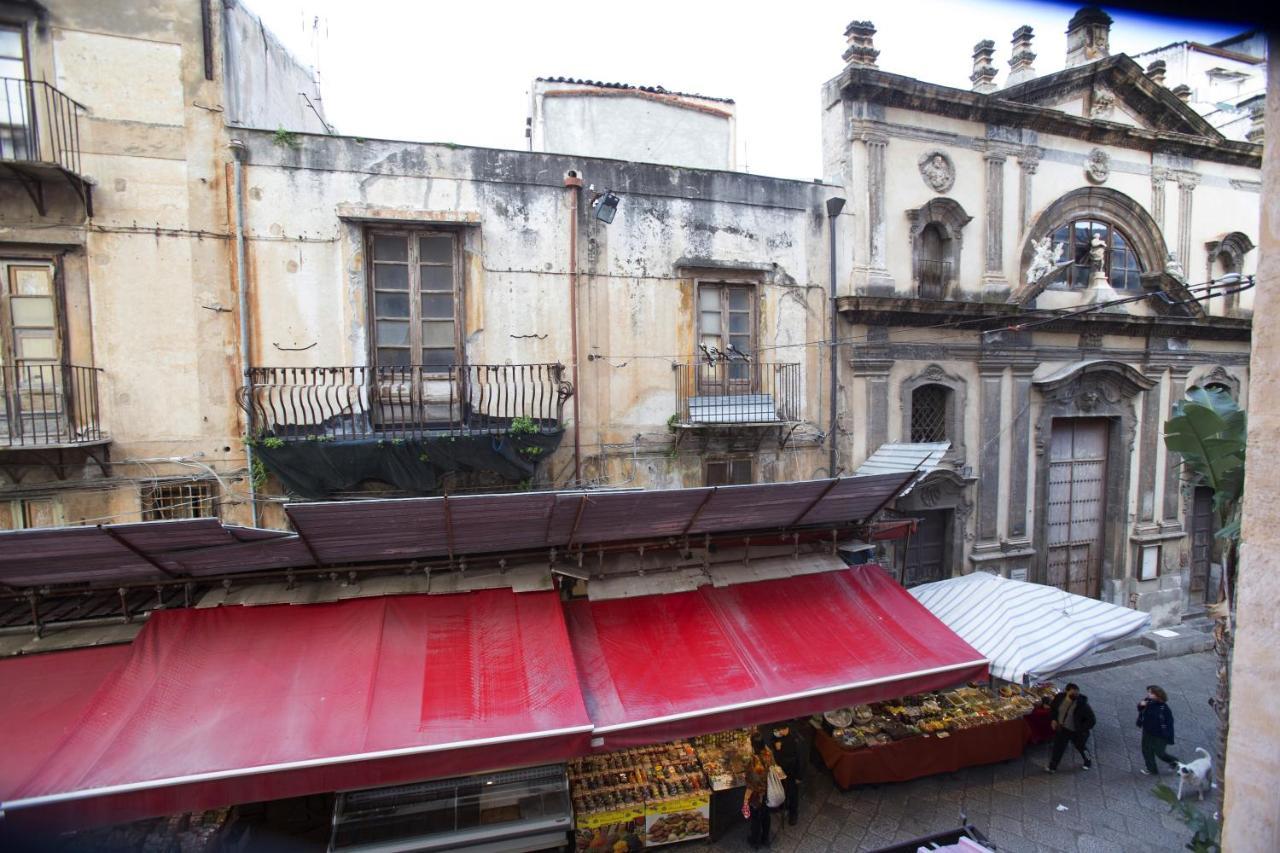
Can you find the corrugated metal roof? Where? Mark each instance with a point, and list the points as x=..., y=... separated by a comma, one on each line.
x=656, y=90
x=899, y=457
x=352, y=532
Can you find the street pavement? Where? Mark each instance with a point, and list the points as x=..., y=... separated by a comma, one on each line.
x=1108, y=809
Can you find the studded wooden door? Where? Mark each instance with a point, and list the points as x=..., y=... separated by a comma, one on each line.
x=1077, y=504
x=1201, y=543
x=926, y=552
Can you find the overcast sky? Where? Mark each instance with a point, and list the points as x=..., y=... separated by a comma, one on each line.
x=460, y=72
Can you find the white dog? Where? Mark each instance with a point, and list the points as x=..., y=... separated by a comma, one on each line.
x=1198, y=774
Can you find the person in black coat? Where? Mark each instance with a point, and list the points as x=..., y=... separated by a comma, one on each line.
x=1072, y=719
x=1156, y=721
x=788, y=751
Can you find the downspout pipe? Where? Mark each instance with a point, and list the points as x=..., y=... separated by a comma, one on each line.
x=834, y=206
x=237, y=160
x=573, y=183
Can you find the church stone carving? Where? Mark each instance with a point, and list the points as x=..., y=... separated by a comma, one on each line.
x=937, y=170
x=1097, y=166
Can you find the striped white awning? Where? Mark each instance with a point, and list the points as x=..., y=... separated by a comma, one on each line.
x=1026, y=629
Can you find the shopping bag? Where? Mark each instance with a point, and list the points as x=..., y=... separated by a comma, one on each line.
x=775, y=794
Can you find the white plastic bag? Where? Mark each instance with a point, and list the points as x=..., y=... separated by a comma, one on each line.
x=775, y=795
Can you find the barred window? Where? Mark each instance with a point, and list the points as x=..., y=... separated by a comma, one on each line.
x=929, y=413
x=178, y=499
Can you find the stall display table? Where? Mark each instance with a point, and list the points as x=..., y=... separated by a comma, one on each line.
x=1039, y=725
x=913, y=757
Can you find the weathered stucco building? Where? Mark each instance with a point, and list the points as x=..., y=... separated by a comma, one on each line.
x=265, y=308
x=974, y=211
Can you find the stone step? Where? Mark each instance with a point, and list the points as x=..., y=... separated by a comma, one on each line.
x=1109, y=658
x=1184, y=640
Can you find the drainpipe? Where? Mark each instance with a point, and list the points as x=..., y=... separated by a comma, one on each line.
x=834, y=206
x=237, y=159
x=573, y=183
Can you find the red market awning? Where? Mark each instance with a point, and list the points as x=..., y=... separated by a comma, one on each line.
x=667, y=666
x=244, y=704
x=42, y=699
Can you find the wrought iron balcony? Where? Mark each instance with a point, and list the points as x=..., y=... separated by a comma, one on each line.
x=49, y=406
x=40, y=138
x=353, y=403
x=737, y=392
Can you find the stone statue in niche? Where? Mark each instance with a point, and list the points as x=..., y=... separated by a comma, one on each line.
x=1097, y=167
x=937, y=170
x=1173, y=268
x=1045, y=259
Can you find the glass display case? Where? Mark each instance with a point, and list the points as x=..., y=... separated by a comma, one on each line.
x=519, y=810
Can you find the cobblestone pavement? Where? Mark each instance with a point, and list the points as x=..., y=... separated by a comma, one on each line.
x=1109, y=809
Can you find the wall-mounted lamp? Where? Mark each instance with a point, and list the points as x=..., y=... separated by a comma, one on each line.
x=606, y=206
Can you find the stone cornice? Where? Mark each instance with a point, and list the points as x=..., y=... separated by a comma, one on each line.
x=895, y=90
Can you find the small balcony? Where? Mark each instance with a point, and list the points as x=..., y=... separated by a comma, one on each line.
x=356, y=403
x=731, y=393
x=40, y=139
x=49, y=406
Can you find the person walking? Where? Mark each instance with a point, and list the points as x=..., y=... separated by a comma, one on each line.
x=754, y=805
x=786, y=748
x=1156, y=721
x=1071, y=718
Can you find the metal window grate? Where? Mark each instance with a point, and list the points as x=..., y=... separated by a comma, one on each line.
x=929, y=413
x=167, y=501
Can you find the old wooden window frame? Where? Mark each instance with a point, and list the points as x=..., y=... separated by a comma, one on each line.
x=732, y=469
x=413, y=264
x=736, y=375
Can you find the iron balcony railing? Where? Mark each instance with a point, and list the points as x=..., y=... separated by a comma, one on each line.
x=349, y=403
x=739, y=391
x=38, y=124
x=933, y=277
x=49, y=405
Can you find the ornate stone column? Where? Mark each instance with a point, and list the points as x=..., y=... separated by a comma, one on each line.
x=1159, y=175
x=876, y=373
x=1187, y=182
x=1172, y=470
x=1028, y=162
x=1020, y=449
x=1149, y=443
x=993, y=278
x=991, y=380
x=878, y=278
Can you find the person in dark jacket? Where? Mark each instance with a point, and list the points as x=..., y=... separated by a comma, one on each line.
x=1156, y=721
x=1072, y=719
x=788, y=752
x=754, y=805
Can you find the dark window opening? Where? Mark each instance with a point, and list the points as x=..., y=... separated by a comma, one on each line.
x=169, y=501
x=929, y=413
x=934, y=268
x=1124, y=271
x=728, y=472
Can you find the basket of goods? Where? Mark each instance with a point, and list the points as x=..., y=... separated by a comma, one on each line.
x=863, y=714
x=840, y=718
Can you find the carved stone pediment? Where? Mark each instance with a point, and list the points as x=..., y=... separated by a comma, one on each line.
x=1090, y=386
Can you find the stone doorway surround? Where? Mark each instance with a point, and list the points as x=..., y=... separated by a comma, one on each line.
x=1092, y=389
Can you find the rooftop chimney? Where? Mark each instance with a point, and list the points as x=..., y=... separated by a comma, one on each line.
x=984, y=73
x=1087, y=36
x=1156, y=72
x=1183, y=92
x=1020, y=69
x=861, y=50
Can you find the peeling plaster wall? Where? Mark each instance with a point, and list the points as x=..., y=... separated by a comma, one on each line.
x=307, y=206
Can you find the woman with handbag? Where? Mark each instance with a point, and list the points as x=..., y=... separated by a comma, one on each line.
x=755, y=806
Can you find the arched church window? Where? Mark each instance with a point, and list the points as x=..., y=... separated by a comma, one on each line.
x=1121, y=263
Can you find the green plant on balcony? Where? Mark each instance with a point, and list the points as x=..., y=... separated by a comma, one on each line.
x=272, y=442
x=522, y=426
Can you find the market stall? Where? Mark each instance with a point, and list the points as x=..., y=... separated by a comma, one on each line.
x=655, y=795
x=925, y=734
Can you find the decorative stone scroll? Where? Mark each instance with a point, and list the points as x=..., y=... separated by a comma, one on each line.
x=1097, y=166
